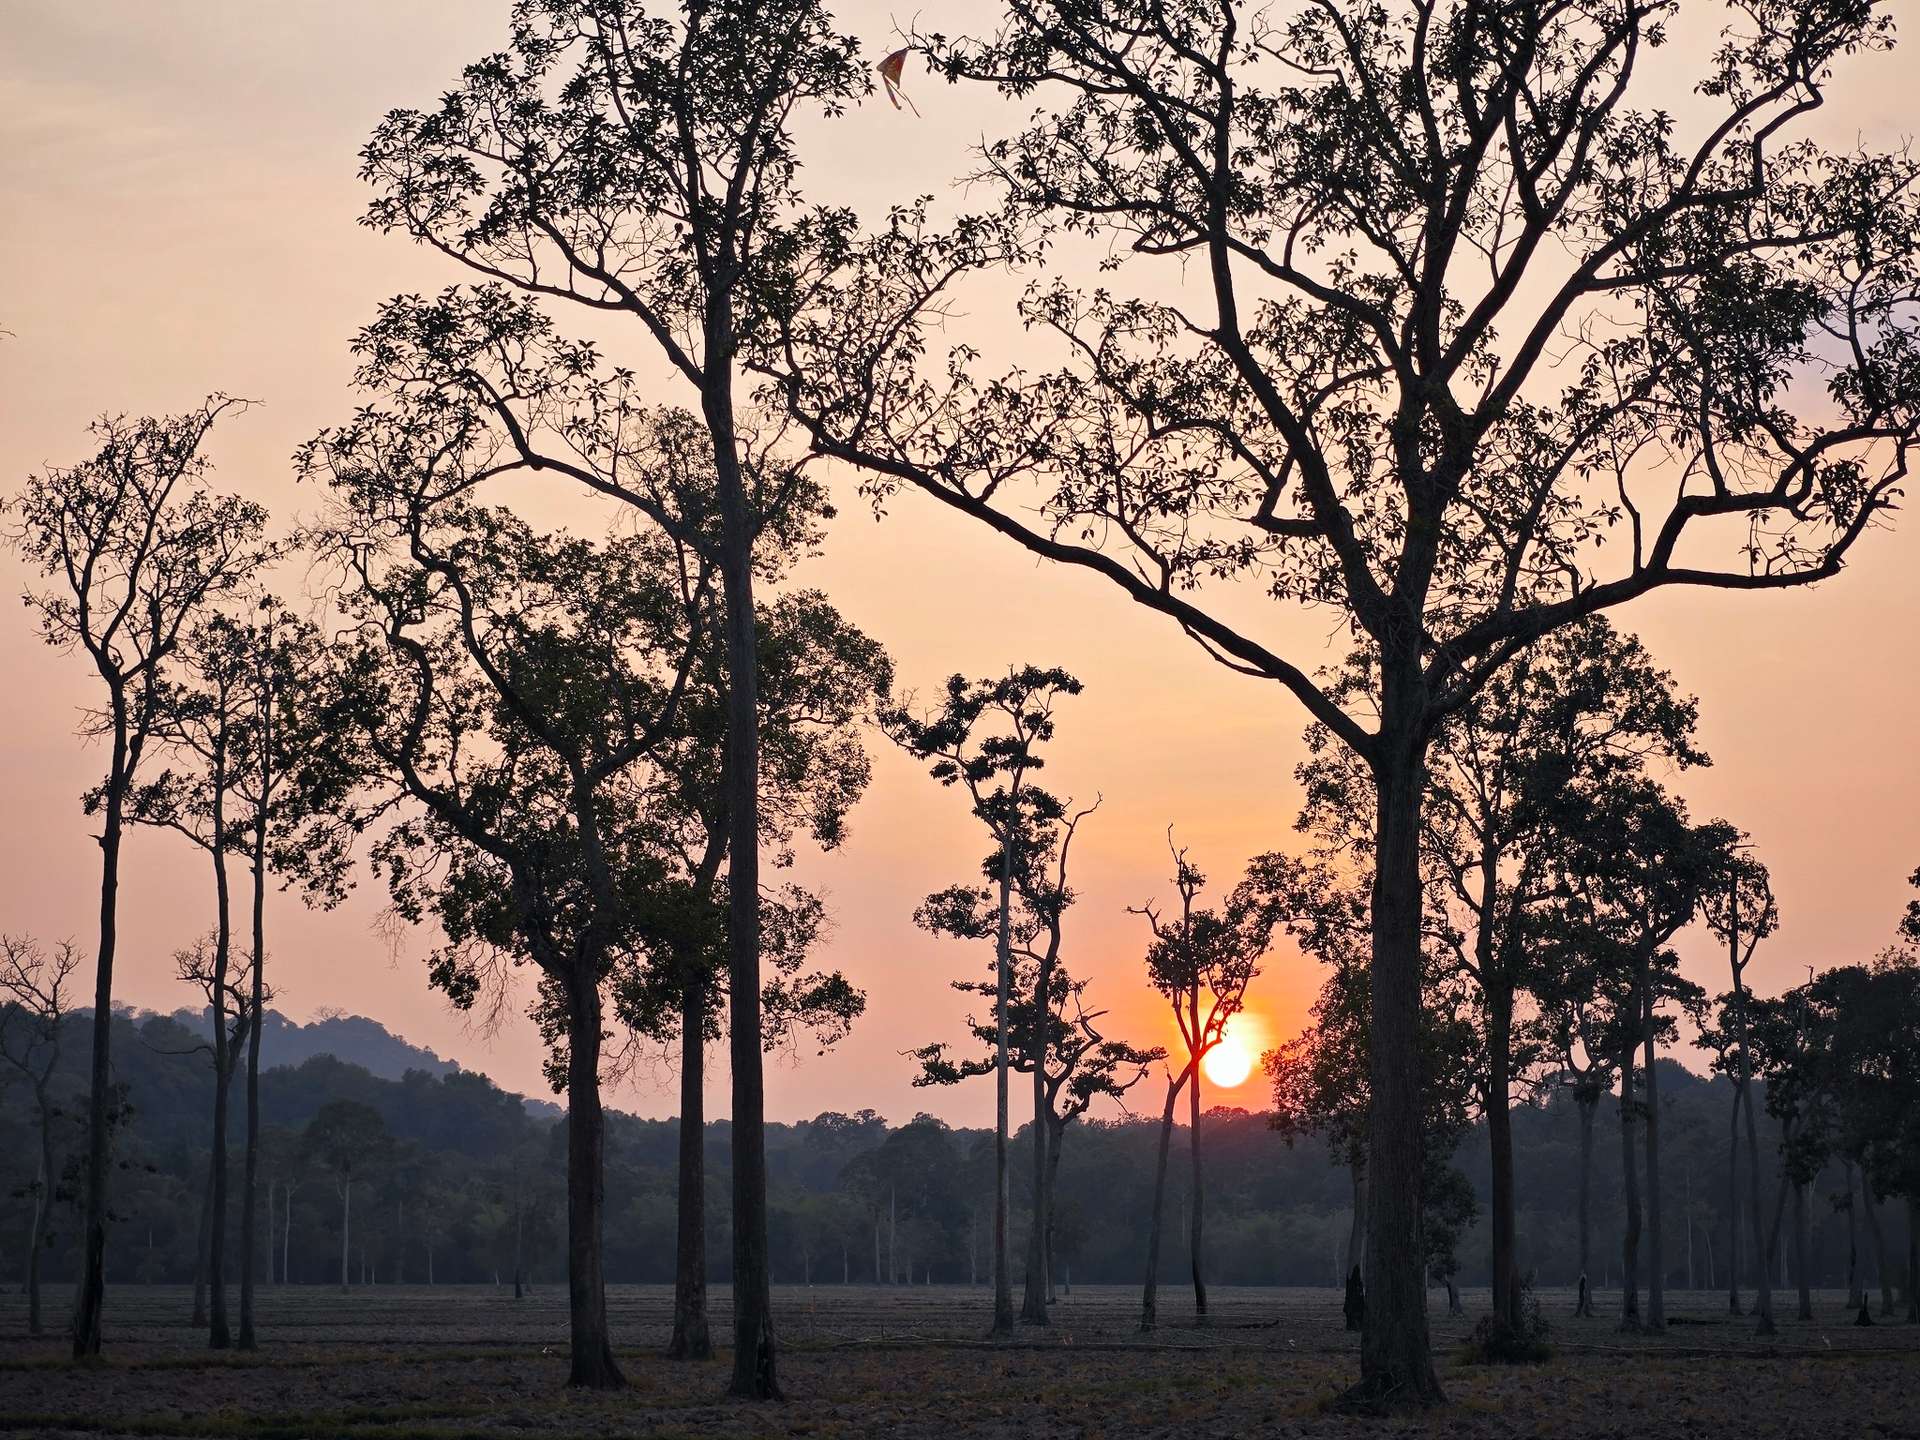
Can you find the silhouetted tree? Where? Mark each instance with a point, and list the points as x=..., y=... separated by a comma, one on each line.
x=344, y=1141
x=1053, y=1037
x=1201, y=961
x=986, y=738
x=639, y=159
x=135, y=548
x=34, y=1006
x=818, y=678
x=1744, y=915
x=1462, y=316
x=1584, y=704
x=207, y=965
x=1632, y=870
x=504, y=687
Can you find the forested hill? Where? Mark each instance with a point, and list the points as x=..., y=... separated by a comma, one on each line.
x=448, y=1155
x=352, y=1038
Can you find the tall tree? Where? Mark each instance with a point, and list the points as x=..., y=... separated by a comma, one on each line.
x=1477, y=349
x=1633, y=870
x=818, y=678
x=1744, y=916
x=135, y=548
x=504, y=688
x=1584, y=704
x=207, y=965
x=344, y=1141
x=201, y=726
x=1201, y=961
x=639, y=159
x=1054, y=1039
x=34, y=1009
x=286, y=768
x=985, y=737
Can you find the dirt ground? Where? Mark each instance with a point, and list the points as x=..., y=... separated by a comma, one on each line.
x=411, y=1363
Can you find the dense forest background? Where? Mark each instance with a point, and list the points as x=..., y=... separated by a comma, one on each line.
x=457, y=1169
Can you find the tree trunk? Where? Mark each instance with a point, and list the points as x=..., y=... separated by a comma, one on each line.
x=1033, y=1299
x=1396, y=1365
x=754, y=1374
x=42, y=1208
x=1656, y=1263
x=519, y=1237
x=1878, y=1241
x=1762, y=1282
x=1003, y=1183
x=1055, y=1142
x=250, y=1180
x=1150, y=1291
x=1506, y=1297
x=203, y=1246
x=1733, y=1207
x=1913, y=1258
x=593, y=1365
x=1856, y=1290
x=1800, y=1251
x=218, y=1333
x=1357, y=1230
x=1196, y=1219
x=1630, y=1187
x=346, y=1232
x=692, y=1339
x=286, y=1237
x=90, y=1301
x=1583, y=1305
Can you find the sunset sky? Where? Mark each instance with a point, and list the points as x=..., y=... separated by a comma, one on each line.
x=178, y=215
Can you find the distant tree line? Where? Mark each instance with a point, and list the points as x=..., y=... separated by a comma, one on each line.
x=457, y=1182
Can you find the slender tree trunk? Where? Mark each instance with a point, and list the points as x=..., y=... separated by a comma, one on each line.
x=1033, y=1299
x=1583, y=1306
x=691, y=1338
x=1800, y=1251
x=1656, y=1263
x=1396, y=1365
x=593, y=1365
x=218, y=1334
x=1913, y=1258
x=1630, y=1185
x=1150, y=1291
x=1195, y=1251
x=1856, y=1290
x=1055, y=1142
x=1003, y=1181
x=203, y=1246
x=1733, y=1207
x=1506, y=1299
x=286, y=1237
x=346, y=1232
x=1357, y=1231
x=754, y=1374
x=91, y=1300
x=1762, y=1249
x=519, y=1237
x=1878, y=1241
x=250, y=1181
x=42, y=1208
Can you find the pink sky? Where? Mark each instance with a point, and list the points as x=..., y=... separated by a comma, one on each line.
x=180, y=217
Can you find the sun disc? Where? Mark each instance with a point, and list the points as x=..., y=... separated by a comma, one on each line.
x=1228, y=1064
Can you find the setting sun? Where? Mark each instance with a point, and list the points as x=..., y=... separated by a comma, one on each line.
x=1229, y=1063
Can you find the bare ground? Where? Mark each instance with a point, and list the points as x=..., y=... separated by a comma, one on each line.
x=411, y=1363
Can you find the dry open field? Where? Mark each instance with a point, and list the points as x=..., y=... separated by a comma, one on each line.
x=411, y=1363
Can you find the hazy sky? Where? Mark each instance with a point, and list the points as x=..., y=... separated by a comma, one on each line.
x=178, y=210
